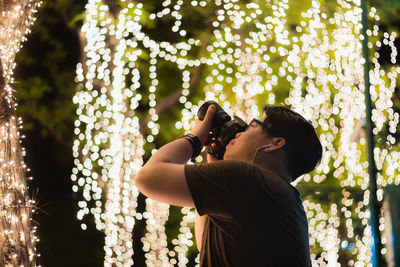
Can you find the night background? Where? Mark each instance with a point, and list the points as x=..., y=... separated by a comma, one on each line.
x=45, y=84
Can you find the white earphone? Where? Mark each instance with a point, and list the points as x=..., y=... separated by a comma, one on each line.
x=265, y=146
x=260, y=148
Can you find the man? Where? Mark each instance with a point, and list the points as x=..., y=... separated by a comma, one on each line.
x=248, y=212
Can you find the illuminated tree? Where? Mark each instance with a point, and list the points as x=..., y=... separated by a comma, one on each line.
x=17, y=234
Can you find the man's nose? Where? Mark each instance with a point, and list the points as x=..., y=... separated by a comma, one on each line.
x=238, y=134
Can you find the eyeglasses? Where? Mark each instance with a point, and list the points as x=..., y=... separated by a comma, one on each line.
x=259, y=123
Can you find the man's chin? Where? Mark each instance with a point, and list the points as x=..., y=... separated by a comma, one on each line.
x=227, y=156
x=236, y=157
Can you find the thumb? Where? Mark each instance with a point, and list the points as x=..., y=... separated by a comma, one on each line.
x=210, y=113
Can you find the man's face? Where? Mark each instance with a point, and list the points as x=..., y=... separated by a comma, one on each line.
x=245, y=144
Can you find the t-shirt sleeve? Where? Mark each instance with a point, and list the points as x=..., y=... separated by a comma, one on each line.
x=217, y=188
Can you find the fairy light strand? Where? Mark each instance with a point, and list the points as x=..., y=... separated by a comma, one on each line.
x=109, y=147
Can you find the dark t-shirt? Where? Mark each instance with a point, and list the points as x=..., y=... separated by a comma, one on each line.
x=254, y=217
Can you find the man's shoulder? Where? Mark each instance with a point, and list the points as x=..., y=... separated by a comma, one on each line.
x=237, y=168
x=230, y=162
x=226, y=165
x=243, y=167
x=229, y=173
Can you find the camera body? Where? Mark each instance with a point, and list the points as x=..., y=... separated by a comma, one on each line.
x=223, y=128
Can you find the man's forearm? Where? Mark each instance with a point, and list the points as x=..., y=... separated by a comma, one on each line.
x=181, y=150
x=178, y=151
x=163, y=178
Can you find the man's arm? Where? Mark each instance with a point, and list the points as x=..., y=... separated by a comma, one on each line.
x=162, y=178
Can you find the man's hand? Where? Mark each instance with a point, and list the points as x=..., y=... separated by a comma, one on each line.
x=211, y=158
x=202, y=128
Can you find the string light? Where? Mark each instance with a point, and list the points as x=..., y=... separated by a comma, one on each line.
x=109, y=147
x=17, y=234
x=250, y=57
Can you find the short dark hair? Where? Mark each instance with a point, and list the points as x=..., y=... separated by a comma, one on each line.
x=303, y=148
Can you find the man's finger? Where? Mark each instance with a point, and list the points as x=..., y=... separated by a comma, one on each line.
x=211, y=158
x=210, y=113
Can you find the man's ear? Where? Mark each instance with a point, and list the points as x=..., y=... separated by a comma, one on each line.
x=279, y=142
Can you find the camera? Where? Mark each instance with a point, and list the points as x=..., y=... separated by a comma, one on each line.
x=223, y=128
